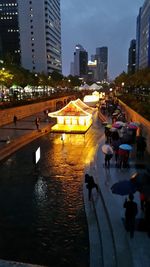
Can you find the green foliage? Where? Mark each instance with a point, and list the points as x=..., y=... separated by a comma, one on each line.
x=138, y=103
x=138, y=79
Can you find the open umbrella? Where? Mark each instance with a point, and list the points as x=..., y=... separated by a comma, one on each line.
x=132, y=126
x=124, y=188
x=135, y=123
x=108, y=126
x=104, y=122
x=121, y=123
x=107, y=149
x=117, y=125
x=125, y=147
x=113, y=129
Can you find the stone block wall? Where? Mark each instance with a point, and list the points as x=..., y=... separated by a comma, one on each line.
x=144, y=124
x=6, y=115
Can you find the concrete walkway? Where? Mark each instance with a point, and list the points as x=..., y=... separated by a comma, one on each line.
x=128, y=252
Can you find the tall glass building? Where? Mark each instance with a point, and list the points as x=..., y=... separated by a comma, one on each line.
x=143, y=36
x=80, y=61
x=102, y=62
x=38, y=27
x=131, y=57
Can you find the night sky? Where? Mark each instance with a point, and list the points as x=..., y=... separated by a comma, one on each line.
x=96, y=23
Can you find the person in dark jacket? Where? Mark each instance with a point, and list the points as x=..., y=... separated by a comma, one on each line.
x=130, y=214
x=89, y=180
x=147, y=215
x=15, y=120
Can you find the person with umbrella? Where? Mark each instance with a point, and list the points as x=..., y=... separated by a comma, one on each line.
x=124, y=151
x=130, y=214
x=108, y=151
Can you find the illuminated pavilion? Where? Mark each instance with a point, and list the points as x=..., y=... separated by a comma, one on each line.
x=75, y=117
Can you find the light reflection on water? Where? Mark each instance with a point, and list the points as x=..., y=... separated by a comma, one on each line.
x=43, y=215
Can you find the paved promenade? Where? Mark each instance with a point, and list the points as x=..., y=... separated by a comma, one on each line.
x=128, y=252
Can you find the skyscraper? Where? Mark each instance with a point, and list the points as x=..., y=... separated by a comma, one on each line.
x=9, y=31
x=102, y=63
x=80, y=61
x=132, y=57
x=38, y=25
x=143, y=36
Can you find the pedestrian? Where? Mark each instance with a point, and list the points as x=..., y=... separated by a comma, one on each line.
x=115, y=146
x=147, y=215
x=123, y=158
x=107, y=134
x=15, y=120
x=130, y=214
x=108, y=151
x=89, y=180
x=142, y=200
x=37, y=123
x=140, y=146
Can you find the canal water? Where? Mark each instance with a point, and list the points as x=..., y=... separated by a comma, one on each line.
x=42, y=217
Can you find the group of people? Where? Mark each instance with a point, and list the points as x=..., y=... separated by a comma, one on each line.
x=129, y=205
x=122, y=133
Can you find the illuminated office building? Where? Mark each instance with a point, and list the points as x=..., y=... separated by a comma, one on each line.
x=143, y=37
x=38, y=26
x=102, y=62
x=131, y=57
x=9, y=31
x=80, y=61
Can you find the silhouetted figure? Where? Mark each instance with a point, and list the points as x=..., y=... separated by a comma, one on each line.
x=108, y=157
x=37, y=123
x=147, y=215
x=107, y=135
x=15, y=119
x=140, y=146
x=130, y=214
x=123, y=158
x=89, y=180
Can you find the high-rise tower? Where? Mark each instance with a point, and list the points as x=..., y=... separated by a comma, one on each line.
x=143, y=36
x=132, y=57
x=80, y=61
x=9, y=31
x=102, y=62
x=40, y=35
x=36, y=29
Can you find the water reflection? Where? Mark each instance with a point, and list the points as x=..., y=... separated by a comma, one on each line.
x=42, y=216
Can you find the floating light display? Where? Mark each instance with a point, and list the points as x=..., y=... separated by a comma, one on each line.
x=74, y=117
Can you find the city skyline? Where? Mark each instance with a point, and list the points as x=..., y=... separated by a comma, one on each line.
x=106, y=23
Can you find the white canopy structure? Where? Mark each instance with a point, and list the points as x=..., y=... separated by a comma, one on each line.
x=94, y=86
x=84, y=87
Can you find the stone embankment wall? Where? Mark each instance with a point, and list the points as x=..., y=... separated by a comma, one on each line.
x=6, y=115
x=144, y=124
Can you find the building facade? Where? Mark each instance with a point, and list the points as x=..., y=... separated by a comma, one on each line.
x=132, y=57
x=102, y=63
x=38, y=33
x=143, y=36
x=9, y=32
x=80, y=61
